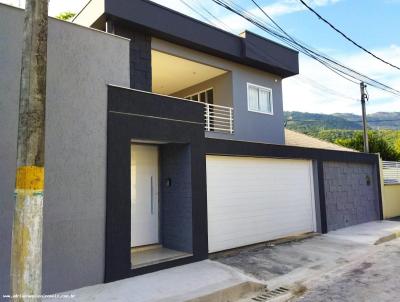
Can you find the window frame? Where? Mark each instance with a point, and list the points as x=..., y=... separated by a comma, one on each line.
x=258, y=89
x=198, y=95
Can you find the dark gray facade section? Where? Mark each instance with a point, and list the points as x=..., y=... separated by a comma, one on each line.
x=176, y=197
x=351, y=194
x=260, y=49
x=76, y=123
x=164, y=23
x=139, y=56
x=134, y=115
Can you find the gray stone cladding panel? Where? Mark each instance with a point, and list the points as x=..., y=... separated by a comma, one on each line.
x=176, y=199
x=351, y=194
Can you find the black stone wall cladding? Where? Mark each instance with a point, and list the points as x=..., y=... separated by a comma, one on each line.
x=139, y=56
x=176, y=198
x=137, y=115
x=351, y=194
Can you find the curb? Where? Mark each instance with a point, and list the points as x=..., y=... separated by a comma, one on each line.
x=231, y=293
x=387, y=238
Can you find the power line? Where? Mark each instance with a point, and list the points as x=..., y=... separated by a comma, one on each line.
x=300, y=77
x=332, y=64
x=197, y=12
x=347, y=37
x=287, y=39
x=325, y=57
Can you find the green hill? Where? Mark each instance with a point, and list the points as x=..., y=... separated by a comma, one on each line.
x=314, y=122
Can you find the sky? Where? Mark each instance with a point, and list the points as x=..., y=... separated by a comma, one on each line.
x=372, y=23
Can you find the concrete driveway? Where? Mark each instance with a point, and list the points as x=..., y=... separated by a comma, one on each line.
x=320, y=262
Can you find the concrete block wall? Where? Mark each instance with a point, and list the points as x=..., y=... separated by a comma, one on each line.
x=351, y=194
x=176, y=200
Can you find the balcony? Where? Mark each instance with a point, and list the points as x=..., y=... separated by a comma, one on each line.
x=218, y=118
x=197, y=82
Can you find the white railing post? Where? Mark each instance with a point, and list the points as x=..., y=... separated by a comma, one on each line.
x=230, y=121
x=218, y=118
x=208, y=117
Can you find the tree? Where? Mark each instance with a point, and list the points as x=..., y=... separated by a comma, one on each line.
x=66, y=16
x=377, y=144
x=397, y=145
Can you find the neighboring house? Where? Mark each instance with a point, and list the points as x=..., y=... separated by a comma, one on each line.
x=168, y=146
x=294, y=138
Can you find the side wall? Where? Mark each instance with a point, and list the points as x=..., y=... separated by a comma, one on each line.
x=248, y=126
x=81, y=62
x=391, y=200
x=351, y=194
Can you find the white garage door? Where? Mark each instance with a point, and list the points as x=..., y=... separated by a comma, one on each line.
x=252, y=200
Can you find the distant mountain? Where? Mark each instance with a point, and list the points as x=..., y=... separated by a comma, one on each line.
x=311, y=122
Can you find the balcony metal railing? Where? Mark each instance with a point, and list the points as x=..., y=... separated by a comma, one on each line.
x=391, y=172
x=218, y=118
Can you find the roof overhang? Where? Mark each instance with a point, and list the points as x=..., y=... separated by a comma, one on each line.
x=167, y=24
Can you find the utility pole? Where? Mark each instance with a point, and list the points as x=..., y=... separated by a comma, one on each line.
x=364, y=97
x=26, y=250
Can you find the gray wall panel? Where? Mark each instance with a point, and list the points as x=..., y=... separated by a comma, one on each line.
x=81, y=62
x=176, y=200
x=348, y=197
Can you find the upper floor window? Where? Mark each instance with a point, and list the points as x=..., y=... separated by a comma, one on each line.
x=204, y=96
x=259, y=99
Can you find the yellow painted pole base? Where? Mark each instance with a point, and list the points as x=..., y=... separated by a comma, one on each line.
x=26, y=255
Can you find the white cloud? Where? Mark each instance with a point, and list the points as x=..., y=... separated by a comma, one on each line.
x=301, y=95
x=278, y=8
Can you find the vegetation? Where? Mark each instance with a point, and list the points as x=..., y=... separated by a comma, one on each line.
x=345, y=129
x=377, y=144
x=345, y=121
x=66, y=16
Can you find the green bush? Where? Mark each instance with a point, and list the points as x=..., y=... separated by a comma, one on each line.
x=377, y=144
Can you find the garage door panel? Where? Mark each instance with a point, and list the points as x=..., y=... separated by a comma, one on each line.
x=252, y=200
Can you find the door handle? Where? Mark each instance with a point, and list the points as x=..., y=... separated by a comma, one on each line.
x=151, y=196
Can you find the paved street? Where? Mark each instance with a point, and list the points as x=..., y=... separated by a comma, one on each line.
x=344, y=265
x=374, y=277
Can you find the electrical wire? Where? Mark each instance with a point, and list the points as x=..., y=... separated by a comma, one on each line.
x=305, y=81
x=324, y=56
x=330, y=63
x=346, y=36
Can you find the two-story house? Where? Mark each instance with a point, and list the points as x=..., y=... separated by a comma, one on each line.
x=165, y=143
